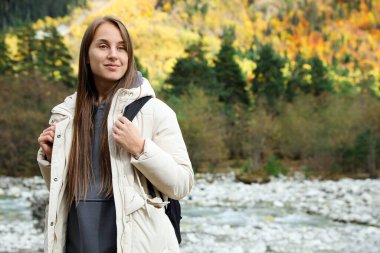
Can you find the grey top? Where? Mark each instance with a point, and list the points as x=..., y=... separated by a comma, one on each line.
x=91, y=226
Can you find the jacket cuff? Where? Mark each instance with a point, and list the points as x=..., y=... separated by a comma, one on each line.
x=45, y=167
x=41, y=159
x=148, y=149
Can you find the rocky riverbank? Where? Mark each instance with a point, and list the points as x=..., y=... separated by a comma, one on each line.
x=346, y=200
x=221, y=215
x=287, y=215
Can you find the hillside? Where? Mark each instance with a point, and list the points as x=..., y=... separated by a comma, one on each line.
x=344, y=34
x=306, y=101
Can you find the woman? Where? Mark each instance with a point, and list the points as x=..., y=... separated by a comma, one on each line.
x=96, y=162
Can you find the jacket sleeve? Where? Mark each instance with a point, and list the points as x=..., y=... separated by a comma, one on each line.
x=44, y=167
x=165, y=161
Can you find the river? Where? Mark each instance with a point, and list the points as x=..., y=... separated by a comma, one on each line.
x=222, y=215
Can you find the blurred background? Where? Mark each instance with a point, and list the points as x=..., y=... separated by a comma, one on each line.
x=270, y=94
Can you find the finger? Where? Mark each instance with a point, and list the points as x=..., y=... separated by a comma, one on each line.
x=49, y=129
x=120, y=125
x=116, y=137
x=45, y=139
x=48, y=139
x=116, y=130
x=124, y=120
x=46, y=131
x=41, y=138
x=50, y=132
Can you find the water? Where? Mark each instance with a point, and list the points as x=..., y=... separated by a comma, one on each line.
x=238, y=217
x=14, y=209
x=262, y=228
x=18, y=210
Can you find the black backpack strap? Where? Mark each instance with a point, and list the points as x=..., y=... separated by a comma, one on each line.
x=133, y=108
x=151, y=189
x=130, y=112
x=173, y=210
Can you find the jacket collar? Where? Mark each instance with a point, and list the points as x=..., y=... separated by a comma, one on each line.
x=141, y=88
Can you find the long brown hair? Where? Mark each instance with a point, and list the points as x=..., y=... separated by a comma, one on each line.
x=79, y=165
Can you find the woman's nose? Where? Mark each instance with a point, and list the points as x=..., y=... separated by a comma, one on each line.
x=112, y=53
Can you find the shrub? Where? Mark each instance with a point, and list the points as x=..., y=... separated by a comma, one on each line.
x=24, y=113
x=274, y=168
x=363, y=154
x=203, y=127
x=255, y=137
x=313, y=128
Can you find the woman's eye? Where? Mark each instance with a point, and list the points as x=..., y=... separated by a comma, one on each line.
x=121, y=48
x=103, y=46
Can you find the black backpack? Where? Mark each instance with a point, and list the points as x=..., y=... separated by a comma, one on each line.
x=173, y=209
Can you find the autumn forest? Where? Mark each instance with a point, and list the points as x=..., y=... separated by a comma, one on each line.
x=260, y=87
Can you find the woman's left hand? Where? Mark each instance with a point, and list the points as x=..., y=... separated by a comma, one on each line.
x=128, y=136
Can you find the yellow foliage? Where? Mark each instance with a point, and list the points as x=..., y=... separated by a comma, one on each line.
x=11, y=42
x=49, y=21
x=307, y=78
x=160, y=36
x=306, y=66
x=211, y=45
x=247, y=66
x=58, y=63
x=39, y=24
x=286, y=70
x=167, y=6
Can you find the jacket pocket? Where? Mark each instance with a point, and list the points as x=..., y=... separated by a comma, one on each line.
x=132, y=200
x=150, y=230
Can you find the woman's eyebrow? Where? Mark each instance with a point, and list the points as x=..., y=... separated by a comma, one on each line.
x=107, y=41
x=102, y=40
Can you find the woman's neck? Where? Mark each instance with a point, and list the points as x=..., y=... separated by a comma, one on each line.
x=103, y=89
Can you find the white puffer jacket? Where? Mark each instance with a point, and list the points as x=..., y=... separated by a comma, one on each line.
x=141, y=227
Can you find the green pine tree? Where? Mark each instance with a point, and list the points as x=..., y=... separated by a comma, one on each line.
x=21, y=12
x=192, y=70
x=5, y=60
x=297, y=81
x=53, y=58
x=269, y=81
x=228, y=73
x=320, y=82
x=27, y=50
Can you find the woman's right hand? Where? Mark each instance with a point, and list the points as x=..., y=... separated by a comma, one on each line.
x=46, y=140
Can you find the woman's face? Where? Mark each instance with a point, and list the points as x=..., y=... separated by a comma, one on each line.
x=107, y=55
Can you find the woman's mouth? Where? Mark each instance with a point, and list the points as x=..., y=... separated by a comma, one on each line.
x=111, y=66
